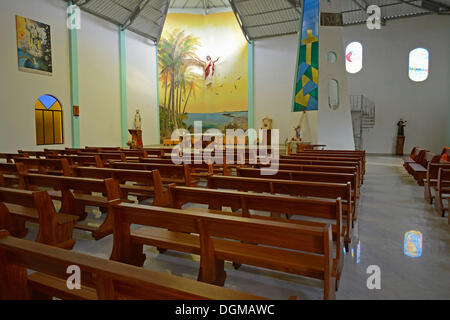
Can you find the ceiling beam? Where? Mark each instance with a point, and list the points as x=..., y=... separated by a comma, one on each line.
x=135, y=13
x=239, y=19
x=166, y=10
x=294, y=5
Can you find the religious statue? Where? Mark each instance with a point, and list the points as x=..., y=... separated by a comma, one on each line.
x=267, y=123
x=298, y=131
x=137, y=120
x=401, y=127
x=208, y=68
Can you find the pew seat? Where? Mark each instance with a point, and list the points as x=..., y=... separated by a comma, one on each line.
x=36, y=271
x=20, y=206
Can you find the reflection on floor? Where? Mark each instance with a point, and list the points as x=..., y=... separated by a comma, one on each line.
x=391, y=205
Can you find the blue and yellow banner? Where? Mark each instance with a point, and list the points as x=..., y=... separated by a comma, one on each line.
x=307, y=80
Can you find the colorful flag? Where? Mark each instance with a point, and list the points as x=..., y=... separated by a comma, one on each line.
x=307, y=81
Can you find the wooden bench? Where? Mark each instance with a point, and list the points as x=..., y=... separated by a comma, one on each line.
x=419, y=169
x=442, y=190
x=100, y=149
x=81, y=160
x=9, y=174
x=430, y=182
x=146, y=184
x=315, y=168
x=45, y=166
x=76, y=193
x=19, y=206
x=100, y=279
x=312, y=176
x=416, y=155
x=283, y=246
x=108, y=158
x=293, y=188
x=336, y=158
x=159, y=152
x=170, y=173
x=347, y=163
x=9, y=157
x=326, y=210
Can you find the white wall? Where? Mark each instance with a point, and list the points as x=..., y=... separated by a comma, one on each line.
x=275, y=60
x=20, y=90
x=142, y=85
x=384, y=80
x=99, y=95
x=99, y=86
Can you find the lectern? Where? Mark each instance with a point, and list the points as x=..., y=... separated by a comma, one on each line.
x=136, y=139
x=400, y=145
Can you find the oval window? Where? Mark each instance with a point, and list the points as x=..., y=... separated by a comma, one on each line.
x=418, y=64
x=333, y=94
x=354, y=57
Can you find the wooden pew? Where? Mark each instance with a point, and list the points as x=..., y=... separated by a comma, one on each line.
x=419, y=169
x=316, y=168
x=35, y=154
x=323, y=209
x=76, y=193
x=442, y=190
x=430, y=182
x=80, y=160
x=416, y=155
x=170, y=173
x=146, y=184
x=19, y=206
x=9, y=174
x=108, y=158
x=348, y=163
x=301, y=250
x=159, y=152
x=100, y=149
x=45, y=166
x=327, y=177
x=293, y=188
x=337, y=158
x=224, y=168
x=9, y=157
x=100, y=279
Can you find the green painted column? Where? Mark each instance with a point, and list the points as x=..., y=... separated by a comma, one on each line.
x=251, y=85
x=157, y=96
x=123, y=88
x=74, y=89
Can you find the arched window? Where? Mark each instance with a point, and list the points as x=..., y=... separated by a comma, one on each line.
x=418, y=64
x=354, y=57
x=331, y=57
x=49, y=120
x=333, y=94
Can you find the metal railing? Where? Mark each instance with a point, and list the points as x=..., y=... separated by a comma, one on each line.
x=363, y=117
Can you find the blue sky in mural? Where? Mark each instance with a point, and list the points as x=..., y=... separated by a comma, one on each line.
x=310, y=17
x=47, y=100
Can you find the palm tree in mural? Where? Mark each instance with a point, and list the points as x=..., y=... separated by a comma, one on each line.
x=177, y=58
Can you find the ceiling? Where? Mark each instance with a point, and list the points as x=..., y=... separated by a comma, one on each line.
x=258, y=18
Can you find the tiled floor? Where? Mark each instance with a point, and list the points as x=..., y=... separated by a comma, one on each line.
x=391, y=204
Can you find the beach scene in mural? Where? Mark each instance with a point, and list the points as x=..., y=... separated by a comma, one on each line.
x=34, y=47
x=202, y=77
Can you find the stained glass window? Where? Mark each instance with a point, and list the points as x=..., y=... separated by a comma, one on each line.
x=418, y=64
x=49, y=121
x=354, y=57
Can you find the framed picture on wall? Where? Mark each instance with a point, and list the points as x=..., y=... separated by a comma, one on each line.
x=34, y=48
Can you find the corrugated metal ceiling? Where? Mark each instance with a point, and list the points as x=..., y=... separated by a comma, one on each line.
x=258, y=18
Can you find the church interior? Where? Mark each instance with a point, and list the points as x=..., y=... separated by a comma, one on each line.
x=225, y=150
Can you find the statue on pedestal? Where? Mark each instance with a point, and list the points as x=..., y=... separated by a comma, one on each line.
x=400, y=136
x=401, y=127
x=137, y=120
